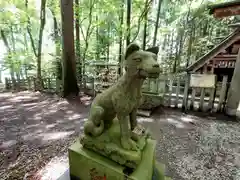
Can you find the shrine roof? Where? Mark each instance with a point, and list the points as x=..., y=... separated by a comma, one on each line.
x=223, y=5
x=228, y=41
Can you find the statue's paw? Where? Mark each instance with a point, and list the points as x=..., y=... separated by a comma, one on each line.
x=129, y=144
x=134, y=136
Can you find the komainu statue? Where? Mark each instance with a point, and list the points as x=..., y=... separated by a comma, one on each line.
x=112, y=128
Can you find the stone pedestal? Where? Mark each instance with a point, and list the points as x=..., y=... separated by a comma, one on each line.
x=88, y=165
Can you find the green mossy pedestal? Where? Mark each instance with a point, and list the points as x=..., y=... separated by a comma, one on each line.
x=108, y=144
x=88, y=165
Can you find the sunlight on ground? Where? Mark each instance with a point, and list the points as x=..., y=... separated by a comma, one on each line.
x=6, y=95
x=29, y=104
x=145, y=119
x=56, y=135
x=75, y=116
x=186, y=119
x=37, y=116
x=20, y=98
x=175, y=123
x=49, y=126
x=69, y=112
x=6, y=107
x=54, y=169
x=7, y=144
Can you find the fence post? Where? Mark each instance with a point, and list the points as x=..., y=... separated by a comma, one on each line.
x=222, y=93
x=49, y=83
x=177, y=92
x=170, y=90
x=34, y=84
x=148, y=84
x=201, y=104
x=193, y=98
x=211, y=99
x=29, y=83
x=185, y=95
x=7, y=84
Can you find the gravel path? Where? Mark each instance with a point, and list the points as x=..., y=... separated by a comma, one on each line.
x=36, y=130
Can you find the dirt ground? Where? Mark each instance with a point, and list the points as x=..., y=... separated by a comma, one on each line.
x=36, y=130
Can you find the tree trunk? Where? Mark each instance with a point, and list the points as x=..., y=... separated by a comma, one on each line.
x=58, y=49
x=179, y=45
x=157, y=22
x=121, y=38
x=26, y=53
x=69, y=81
x=58, y=62
x=16, y=69
x=171, y=45
x=29, y=31
x=129, y=7
x=77, y=32
x=97, y=40
x=190, y=42
x=4, y=38
x=108, y=44
x=145, y=26
x=89, y=31
x=39, y=53
x=176, y=53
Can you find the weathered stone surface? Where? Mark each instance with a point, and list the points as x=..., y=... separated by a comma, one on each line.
x=86, y=164
x=151, y=101
x=122, y=100
x=108, y=144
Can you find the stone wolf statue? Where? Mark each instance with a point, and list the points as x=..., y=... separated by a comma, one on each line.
x=122, y=99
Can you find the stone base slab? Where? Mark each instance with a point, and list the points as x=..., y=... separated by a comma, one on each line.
x=85, y=164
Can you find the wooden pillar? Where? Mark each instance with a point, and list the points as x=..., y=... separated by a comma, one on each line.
x=233, y=93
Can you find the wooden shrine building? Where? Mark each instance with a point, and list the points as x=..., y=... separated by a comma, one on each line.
x=221, y=59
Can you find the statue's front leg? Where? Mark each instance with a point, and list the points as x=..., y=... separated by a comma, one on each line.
x=126, y=141
x=133, y=118
x=133, y=124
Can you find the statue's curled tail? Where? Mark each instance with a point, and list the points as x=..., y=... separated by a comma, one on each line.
x=92, y=130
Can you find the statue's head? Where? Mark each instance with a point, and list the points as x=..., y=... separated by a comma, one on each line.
x=142, y=62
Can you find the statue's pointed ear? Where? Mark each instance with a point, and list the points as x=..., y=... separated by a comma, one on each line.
x=154, y=50
x=130, y=49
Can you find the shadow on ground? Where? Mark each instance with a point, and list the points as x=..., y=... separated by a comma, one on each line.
x=33, y=129
x=36, y=130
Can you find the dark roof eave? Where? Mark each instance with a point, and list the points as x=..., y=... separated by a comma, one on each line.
x=208, y=55
x=222, y=5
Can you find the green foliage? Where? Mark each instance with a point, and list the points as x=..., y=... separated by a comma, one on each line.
x=185, y=27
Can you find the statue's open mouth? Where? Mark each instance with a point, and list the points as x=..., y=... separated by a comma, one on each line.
x=146, y=74
x=153, y=75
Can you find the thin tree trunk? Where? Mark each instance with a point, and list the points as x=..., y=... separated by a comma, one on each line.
x=5, y=41
x=121, y=38
x=157, y=22
x=29, y=31
x=77, y=32
x=16, y=70
x=179, y=49
x=27, y=54
x=97, y=40
x=145, y=27
x=89, y=31
x=129, y=7
x=190, y=42
x=57, y=49
x=176, y=52
x=39, y=54
x=171, y=45
x=70, y=86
